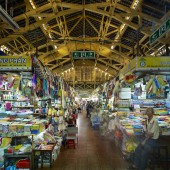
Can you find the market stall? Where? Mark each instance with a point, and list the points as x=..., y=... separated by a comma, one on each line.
x=34, y=107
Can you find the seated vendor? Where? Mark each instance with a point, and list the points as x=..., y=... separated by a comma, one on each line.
x=147, y=145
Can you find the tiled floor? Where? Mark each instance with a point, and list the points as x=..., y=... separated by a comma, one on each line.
x=94, y=152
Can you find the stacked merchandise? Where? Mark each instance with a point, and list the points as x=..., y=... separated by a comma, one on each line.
x=16, y=107
x=19, y=96
x=20, y=126
x=161, y=112
x=126, y=129
x=43, y=141
x=131, y=92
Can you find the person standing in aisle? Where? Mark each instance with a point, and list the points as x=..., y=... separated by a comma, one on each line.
x=79, y=108
x=88, y=109
x=147, y=145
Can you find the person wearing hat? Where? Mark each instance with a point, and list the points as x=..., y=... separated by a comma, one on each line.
x=143, y=150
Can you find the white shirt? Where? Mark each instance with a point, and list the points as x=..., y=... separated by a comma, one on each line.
x=152, y=127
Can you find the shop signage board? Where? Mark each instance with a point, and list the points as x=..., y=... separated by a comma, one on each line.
x=153, y=63
x=146, y=63
x=83, y=54
x=19, y=63
x=164, y=28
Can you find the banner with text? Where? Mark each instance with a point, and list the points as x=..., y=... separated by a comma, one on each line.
x=15, y=63
x=153, y=63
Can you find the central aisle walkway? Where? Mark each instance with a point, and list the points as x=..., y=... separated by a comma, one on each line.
x=94, y=152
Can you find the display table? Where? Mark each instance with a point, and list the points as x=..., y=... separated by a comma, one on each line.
x=16, y=156
x=47, y=149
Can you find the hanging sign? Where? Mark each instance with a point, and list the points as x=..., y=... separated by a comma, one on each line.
x=20, y=63
x=83, y=54
x=154, y=63
x=164, y=28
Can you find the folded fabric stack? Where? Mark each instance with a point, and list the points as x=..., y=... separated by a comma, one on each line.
x=138, y=129
x=3, y=113
x=11, y=113
x=161, y=112
x=23, y=113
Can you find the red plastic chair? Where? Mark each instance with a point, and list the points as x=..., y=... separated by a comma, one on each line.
x=71, y=143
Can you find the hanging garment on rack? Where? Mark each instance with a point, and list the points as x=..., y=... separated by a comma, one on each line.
x=45, y=87
x=34, y=83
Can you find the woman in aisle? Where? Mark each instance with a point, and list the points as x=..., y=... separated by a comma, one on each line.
x=147, y=145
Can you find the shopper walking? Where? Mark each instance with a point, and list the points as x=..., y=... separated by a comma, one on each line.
x=146, y=146
x=88, y=109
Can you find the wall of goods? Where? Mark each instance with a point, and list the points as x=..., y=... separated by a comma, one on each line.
x=30, y=100
x=125, y=98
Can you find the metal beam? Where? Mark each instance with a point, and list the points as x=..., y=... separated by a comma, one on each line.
x=34, y=26
x=55, y=66
x=92, y=25
x=98, y=20
x=111, y=65
x=75, y=25
x=118, y=56
x=117, y=17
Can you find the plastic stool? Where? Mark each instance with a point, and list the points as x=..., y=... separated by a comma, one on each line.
x=71, y=143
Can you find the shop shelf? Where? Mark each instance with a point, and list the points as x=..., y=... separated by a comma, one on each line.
x=31, y=106
x=15, y=100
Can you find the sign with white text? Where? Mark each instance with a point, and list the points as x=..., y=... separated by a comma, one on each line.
x=83, y=54
x=164, y=28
